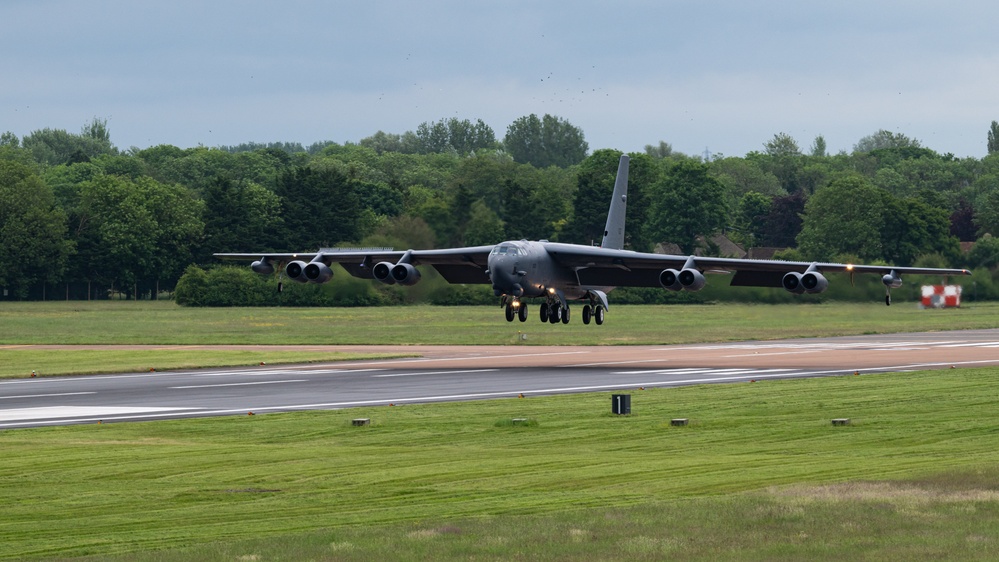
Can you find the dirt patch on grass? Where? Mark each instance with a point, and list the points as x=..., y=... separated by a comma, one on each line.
x=892, y=492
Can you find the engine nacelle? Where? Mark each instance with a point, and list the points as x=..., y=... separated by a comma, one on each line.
x=383, y=272
x=691, y=279
x=814, y=282
x=318, y=272
x=892, y=281
x=296, y=271
x=670, y=280
x=792, y=282
x=405, y=274
x=262, y=267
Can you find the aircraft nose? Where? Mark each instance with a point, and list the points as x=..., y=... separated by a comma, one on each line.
x=505, y=278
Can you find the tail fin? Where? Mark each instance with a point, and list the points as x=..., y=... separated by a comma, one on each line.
x=614, y=229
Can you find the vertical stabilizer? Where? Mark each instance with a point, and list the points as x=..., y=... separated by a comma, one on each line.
x=614, y=229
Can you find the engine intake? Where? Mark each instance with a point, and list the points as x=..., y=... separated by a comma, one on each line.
x=405, y=274
x=383, y=272
x=691, y=279
x=814, y=282
x=318, y=272
x=669, y=279
x=296, y=271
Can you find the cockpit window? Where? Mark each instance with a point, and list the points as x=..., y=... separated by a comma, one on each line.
x=505, y=250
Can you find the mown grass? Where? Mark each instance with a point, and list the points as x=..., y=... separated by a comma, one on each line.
x=163, y=322
x=760, y=473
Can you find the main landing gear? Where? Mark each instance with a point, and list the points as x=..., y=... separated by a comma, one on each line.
x=552, y=312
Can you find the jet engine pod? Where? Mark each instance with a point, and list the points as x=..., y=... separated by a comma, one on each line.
x=383, y=272
x=814, y=282
x=262, y=267
x=405, y=274
x=792, y=282
x=691, y=279
x=318, y=272
x=296, y=271
x=670, y=280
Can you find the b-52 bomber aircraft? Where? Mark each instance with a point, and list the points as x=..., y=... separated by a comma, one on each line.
x=560, y=273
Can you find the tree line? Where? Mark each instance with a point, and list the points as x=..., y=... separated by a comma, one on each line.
x=80, y=218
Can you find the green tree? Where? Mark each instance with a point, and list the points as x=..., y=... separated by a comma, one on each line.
x=751, y=215
x=993, y=144
x=56, y=146
x=484, y=225
x=782, y=224
x=116, y=233
x=843, y=218
x=818, y=149
x=458, y=135
x=885, y=139
x=33, y=231
x=911, y=228
x=321, y=208
x=548, y=141
x=685, y=203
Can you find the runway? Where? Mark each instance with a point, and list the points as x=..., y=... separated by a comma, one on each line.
x=472, y=373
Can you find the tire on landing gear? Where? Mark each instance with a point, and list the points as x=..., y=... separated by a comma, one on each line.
x=510, y=312
x=587, y=314
x=555, y=314
x=543, y=312
x=565, y=315
x=598, y=315
x=522, y=312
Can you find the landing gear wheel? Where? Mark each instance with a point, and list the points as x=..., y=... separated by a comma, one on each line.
x=510, y=312
x=586, y=314
x=565, y=315
x=887, y=300
x=522, y=312
x=598, y=315
x=555, y=314
x=544, y=312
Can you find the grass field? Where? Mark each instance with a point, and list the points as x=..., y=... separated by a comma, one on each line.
x=164, y=323
x=759, y=474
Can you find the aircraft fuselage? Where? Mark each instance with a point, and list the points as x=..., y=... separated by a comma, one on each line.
x=525, y=269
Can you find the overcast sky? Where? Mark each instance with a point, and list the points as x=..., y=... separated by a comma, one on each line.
x=722, y=76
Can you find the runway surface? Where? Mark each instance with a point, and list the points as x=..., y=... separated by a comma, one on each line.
x=472, y=373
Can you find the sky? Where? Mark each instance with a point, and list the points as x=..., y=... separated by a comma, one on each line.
x=722, y=77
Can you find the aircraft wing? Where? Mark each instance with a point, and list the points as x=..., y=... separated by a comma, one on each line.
x=596, y=266
x=456, y=265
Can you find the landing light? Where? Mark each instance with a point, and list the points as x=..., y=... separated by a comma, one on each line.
x=849, y=267
x=515, y=304
x=551, y=291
